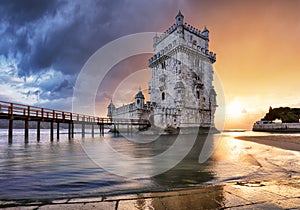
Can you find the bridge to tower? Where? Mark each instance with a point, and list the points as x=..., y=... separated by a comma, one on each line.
x=26, y=113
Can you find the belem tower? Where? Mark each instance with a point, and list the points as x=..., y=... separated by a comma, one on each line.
x=181, y=91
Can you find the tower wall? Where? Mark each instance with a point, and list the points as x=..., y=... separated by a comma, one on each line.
x=181, y=90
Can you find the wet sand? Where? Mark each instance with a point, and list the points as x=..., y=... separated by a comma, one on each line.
x=280, y=141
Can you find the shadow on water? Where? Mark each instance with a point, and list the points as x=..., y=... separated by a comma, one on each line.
x=188, y=172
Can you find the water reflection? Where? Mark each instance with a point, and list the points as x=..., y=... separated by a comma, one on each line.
x=188, y=171
x=210, y=197
x=63, y=169
x=180, y=153
x=55, y=169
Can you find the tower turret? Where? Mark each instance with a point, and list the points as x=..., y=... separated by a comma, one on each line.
x=110, y=109
x=139, y=99
x=205, y=32
x=179, y=18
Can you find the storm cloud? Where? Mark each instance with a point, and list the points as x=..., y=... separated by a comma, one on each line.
x=44, y=44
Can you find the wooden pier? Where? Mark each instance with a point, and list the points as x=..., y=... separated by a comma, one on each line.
x=26, y=113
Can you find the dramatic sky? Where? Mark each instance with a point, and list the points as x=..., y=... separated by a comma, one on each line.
x=44, y=45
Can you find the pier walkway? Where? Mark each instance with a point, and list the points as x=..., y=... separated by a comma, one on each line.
x=26, y=113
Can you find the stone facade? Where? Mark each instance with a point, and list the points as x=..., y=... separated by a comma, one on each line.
x=181, y=90
x=136, y=110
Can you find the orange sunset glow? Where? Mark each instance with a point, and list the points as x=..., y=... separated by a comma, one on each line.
x=257, y=49
x=257, y=46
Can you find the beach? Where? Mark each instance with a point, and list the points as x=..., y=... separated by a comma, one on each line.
x=281, y=141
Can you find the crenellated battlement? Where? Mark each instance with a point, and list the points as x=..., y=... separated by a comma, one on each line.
x=202, y=34
x=164, y=53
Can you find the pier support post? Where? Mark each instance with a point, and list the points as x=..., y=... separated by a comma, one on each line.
x=72, y=128
x=83, y=130
x=38, y=131
x=10, y=131
x=118, y=130
x=26, y=131
x=92, y=130
x=57, y=131
x=51, y=131
x=115, y=130
x=69, y=131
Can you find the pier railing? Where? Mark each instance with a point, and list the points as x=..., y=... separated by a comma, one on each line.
x=16, y=111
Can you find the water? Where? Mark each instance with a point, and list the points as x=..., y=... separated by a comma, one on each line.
x=62, y=169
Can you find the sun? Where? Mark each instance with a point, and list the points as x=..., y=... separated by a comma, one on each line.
x=234, y=109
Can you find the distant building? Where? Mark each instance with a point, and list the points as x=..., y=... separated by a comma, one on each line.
x=181, y=90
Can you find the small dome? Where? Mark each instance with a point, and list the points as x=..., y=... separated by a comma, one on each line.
x=179, y=14
x=205, y=32
x=205, y=29
x=111, y=105
x=179, y=85
x=140, y=95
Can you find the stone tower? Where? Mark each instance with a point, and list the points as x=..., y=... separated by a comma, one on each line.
x=181, y=90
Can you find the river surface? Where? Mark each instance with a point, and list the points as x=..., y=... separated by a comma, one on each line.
x=72, y=168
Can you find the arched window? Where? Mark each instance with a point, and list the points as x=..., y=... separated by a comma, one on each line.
x=138, y=101
x=163, y=96
x=198, y=94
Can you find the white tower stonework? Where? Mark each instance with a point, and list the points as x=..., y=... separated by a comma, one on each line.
x=181, y=90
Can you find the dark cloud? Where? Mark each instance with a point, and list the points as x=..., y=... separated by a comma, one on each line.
x=23, y=12
x=63, y=84
x=59, y=36
x=63, y=35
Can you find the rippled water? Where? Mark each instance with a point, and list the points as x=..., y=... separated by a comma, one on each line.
x=59, y=169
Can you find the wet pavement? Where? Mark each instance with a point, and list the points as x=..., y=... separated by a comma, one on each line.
x=281, y=194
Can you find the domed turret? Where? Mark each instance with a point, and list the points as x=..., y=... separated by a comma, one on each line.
x=110, y=109
x=205, y=32
x=179, y=18
x=139, y=99
x=139, y=95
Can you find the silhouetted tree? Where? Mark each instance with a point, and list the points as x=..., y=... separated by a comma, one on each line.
x=285, y=114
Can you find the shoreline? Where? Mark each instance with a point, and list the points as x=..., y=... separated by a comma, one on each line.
x=279, y=141
x=234, y=194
